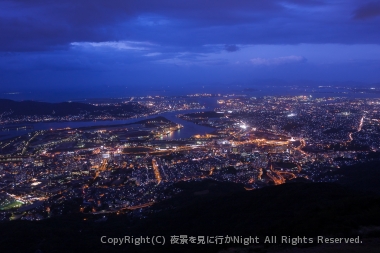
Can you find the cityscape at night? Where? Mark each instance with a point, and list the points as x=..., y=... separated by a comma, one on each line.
x=198, y=126
x=127, y=163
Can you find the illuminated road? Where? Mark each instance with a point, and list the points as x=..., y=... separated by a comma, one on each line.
x=361, y=124
x=301, y=146
x=299, y=168
x=102, y=167
x=27, y=143
x=275, y=176
x=277, y=180
x=156, y=171
x=139, y=206
x=358, y=130
x=350, y=136
x=278, y=176
x=291, y=175
x=126, y=208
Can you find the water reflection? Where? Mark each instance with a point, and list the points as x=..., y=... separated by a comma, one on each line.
x=189, y=129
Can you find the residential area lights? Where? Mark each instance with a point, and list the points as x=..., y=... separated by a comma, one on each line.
x=119, y=169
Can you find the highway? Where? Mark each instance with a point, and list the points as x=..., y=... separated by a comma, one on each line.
x=278, y=176
x=27, y=143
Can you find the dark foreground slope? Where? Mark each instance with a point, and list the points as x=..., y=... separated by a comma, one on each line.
x=363, y=177
x=204, y=208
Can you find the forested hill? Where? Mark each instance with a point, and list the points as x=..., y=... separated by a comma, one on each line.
x=14, y=109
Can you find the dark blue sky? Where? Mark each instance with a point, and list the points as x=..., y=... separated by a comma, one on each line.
x=92, y=45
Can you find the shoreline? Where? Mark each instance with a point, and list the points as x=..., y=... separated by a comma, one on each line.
x=93, y=120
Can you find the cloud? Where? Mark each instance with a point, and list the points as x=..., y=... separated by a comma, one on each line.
x=231, y=48
x=278, y=60
x=44, y=25
x=153, y=54
x=367, y=11
x=118, y=45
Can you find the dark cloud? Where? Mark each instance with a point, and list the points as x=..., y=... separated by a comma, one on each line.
x=43, y=25
x=369, y=10
x=231, y=48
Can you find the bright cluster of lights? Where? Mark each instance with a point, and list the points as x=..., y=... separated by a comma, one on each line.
x=244, y=126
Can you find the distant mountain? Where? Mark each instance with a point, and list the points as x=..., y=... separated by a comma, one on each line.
x=12, y=109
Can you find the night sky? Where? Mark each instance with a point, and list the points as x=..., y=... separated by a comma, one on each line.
x=92, y=47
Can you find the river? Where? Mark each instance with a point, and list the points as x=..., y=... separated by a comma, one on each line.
x=189, y=129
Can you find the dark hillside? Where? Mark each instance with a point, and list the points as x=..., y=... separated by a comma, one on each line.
x=29, y=108
x=203, y=208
